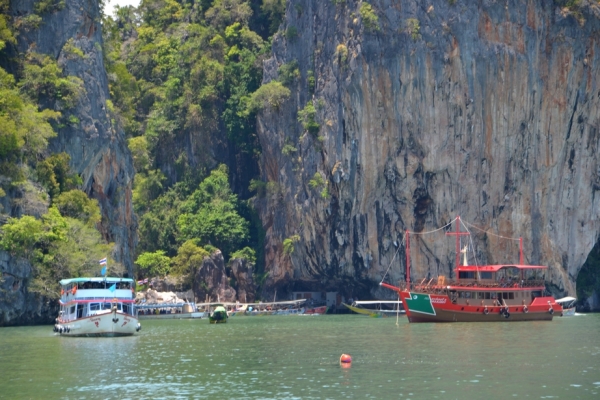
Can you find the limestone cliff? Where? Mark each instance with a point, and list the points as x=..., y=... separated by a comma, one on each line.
x=96, y=146
x=427, y=110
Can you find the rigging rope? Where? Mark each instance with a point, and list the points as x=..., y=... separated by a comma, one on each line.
x=488, y=232
x=435, y=230
x=393, y=258
x=464, y=223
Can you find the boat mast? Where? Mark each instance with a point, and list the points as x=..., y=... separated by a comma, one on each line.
x=407, y=260
x=458, y=234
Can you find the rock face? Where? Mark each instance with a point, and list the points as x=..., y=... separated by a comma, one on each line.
x=211, y=281
x=487, y=110
x=97, y=148
x=242, y=270
x=17, y=306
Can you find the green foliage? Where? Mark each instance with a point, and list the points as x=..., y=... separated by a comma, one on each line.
x=48, y=6
x=71, y=50
x=369, y=19
x=291, y=33
x=77, y=205
x=147, y=187
x=29, y=22
x=185, y=76
x=153, y=264
x=54, y=173
x=308, y=117
x=57, y=247
x=413, y=27
x=288, y=244
x=24, y=131
x=289, y=73
x=325, y=192
x=271, y=94
x=19, y=235
x=288, y=149
x=316, y=181
x=259, y=187
x=245, y=253
x=158, y=224
x=311, y=81
x=342, y=53
x=43, y=78
x=226, y=12
x=189, y=258
x=138, y=146
x=6, y=34
x=275, y=11
x=210, y=214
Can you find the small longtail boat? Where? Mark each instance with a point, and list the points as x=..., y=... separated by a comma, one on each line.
x=383, y=308
x=218, y=316
x=504, y=292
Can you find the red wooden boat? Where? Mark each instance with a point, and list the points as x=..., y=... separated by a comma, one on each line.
x=316, y=310
x=504, y=292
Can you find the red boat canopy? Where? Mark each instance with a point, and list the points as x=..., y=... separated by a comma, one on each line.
x=496, y=268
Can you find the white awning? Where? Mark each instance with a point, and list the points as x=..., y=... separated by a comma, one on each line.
x=566, y=299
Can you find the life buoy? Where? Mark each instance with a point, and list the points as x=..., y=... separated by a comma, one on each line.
x=486, y=311
x=525, y=309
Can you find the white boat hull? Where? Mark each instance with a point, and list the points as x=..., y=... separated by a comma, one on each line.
x=191, y=315
x=100, y=325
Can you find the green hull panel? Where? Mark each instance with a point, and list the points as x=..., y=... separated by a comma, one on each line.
x=420, y=303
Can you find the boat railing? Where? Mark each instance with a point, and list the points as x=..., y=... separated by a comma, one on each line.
x=432, y=287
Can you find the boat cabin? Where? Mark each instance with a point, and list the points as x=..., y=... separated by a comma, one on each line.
x=497, y=285
x=493, y=285
x=501, y=275
x=87, y=297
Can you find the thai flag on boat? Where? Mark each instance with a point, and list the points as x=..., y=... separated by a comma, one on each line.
x=103, y=261
x=142, y=281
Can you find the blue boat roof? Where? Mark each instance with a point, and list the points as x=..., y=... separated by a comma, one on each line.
x=95, y=279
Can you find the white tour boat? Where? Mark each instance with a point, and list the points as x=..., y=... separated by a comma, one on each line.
x=97, y=307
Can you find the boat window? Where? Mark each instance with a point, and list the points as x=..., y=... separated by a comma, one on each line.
x=485, y=275
x=107, y=306
x=126, y=309
x=94, y=306
x=511, y=295
x=466, y=275
x=72, y=310
x=493, y=295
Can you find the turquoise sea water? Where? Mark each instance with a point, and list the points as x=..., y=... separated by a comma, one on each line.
x=297, y=357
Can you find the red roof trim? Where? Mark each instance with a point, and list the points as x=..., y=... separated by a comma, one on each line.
x=496, y=268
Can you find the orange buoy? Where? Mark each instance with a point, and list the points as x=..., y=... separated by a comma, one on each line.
x=345, y=359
